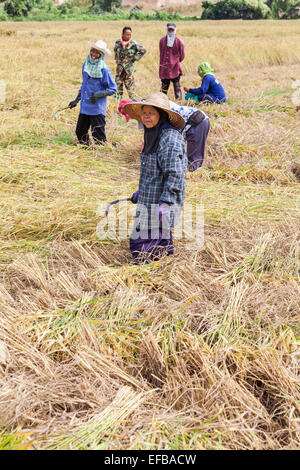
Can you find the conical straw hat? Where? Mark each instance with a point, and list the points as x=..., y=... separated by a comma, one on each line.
x=158, y=100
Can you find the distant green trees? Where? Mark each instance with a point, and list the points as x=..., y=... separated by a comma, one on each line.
x=106, y=5
x=18, y=7
x=21, y=8
x=250, y=9
x=222, y=9
x=285, y=9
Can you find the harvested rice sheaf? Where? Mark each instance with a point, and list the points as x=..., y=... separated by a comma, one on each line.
x=196, y=351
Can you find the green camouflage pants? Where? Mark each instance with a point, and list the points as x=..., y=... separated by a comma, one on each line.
x=125, y=79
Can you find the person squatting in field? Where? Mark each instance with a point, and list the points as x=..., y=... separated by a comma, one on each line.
x=127, y=51
x=210, y=90
x=195, y=131
x=171, y=53
x=97, y=84
x=161, y=190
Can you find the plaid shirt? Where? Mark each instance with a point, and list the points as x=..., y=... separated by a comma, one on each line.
x=162, y=178
x=125, y=57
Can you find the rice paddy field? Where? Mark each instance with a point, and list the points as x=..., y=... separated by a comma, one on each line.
x=199, y=351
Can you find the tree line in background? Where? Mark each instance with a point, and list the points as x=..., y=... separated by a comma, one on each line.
x=76, y=9
x=19, y=8
x=223, y=9
x=250, y=9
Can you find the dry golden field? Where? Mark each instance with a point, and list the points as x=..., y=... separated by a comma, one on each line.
x=198, y=351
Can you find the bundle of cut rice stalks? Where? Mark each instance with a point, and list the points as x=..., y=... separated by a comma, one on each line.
x=92, y=434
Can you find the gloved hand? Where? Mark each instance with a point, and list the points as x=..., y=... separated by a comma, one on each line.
x=134, y=197
x=164, y=212
x=99, y=94
x=74, y=103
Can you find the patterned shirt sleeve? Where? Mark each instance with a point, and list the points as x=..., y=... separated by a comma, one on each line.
x=172, y=160
x=140, y=51
x=116, y=49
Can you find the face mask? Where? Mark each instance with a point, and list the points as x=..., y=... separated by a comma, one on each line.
x=171, y=37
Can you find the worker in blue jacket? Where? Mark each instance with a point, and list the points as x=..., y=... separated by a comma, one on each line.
x=211, y=89
x=97, y=84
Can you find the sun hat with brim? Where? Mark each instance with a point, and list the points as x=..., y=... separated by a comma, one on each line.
x=100, y=46
x=158, y=100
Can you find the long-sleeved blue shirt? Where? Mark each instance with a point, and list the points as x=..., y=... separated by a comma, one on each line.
x=210, y=86
x=92, y=85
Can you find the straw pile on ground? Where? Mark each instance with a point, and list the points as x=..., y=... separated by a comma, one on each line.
x=198, y=351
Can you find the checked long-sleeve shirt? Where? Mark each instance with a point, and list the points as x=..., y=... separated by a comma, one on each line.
x=162, y=177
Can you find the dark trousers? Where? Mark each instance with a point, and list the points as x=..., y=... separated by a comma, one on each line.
x=97, y=125
x=146, y=250
x=205, y=97
x=196, y=139
x=165, y=83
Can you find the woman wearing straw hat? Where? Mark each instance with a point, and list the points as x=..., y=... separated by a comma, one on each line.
x=97, y=84
x=161, y=189
x=195, y=131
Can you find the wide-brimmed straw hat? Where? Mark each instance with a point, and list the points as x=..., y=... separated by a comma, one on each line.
x=158, y=100
x=100, y=46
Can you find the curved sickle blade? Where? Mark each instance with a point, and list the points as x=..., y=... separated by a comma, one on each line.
x=115, y=202
x=59, y=111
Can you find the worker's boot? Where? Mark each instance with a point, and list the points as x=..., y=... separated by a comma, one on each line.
x=165, y=83
x=177, y=91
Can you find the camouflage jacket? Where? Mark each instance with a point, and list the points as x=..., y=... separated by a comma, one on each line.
x=126, y=58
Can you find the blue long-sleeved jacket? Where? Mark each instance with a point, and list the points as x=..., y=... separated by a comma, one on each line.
x=92, y=85
x=210, y=86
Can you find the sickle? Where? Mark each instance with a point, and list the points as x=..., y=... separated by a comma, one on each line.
x=115, y=202
x=55, y=115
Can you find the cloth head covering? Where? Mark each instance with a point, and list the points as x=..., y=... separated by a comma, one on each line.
x=171, y=34
x=120, y=108
x=94, y=67
x=158, y=100
x=204, y=68
x=152, y=134
x=100, y=46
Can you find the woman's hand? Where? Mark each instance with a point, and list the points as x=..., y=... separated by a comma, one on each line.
x=186, y=89
x=164, y=213
x=134, y=197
